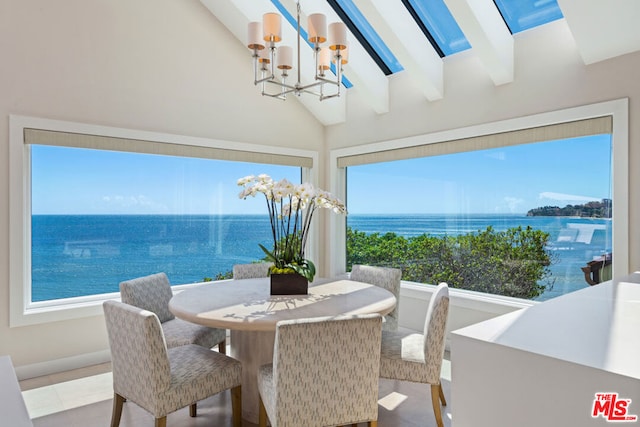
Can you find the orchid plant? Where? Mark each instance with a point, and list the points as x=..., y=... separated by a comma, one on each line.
x=291, y=208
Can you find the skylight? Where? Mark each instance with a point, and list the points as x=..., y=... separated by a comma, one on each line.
x=437, y=24
x=523, y=15
x=366, y=35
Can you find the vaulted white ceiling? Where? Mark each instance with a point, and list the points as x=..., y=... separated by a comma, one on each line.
x=601, y=29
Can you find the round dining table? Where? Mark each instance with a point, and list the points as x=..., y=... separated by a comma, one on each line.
x=250, y=312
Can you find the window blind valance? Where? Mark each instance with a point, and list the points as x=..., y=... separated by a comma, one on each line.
x=101, y=142
x=573, y=129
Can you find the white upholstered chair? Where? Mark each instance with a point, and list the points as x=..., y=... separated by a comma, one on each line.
x=418, y=357
x=153, y=293
x=324, y=373
x=387, y=278
x=162, y=380
x=254, y=270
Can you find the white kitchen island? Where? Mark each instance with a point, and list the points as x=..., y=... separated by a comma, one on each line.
x=543, y=365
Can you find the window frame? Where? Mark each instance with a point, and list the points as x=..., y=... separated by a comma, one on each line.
x=24, y=312
x=617, y=109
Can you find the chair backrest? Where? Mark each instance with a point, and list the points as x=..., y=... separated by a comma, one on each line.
x=435, y=326
x=141, y=369
x=385, y=277
x=326, y=370
x=151, y=293
x=255, y=270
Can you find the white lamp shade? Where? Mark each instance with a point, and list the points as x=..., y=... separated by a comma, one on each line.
x=344, y=55
x=337, y=36
x=271, y=24
x=317, y=24
x=284, y=58
x=264, y=56
x=254, y=36
x=324, y=59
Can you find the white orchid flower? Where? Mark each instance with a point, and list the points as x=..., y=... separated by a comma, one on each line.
x=247, y=179
x=285, y=202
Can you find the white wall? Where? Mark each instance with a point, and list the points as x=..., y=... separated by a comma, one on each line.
x=159, y=65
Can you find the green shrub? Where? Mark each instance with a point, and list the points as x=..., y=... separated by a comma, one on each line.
x=514, y=262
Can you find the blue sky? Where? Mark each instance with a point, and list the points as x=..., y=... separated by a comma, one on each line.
x=506, y=180
x=80, y=181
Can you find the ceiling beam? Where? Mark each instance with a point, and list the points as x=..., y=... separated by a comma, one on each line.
x=395, y=25
x=490, y=39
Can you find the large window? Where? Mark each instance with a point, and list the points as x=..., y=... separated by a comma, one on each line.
x=518, y=220
x=101, y=217
x=527, y=207
x=98, y=206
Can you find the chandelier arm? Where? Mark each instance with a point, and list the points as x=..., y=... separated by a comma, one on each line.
x=310, y=85
x=335, y=95
x=274, y=95
x=268, y=79
x=325, y=80
x=316, y=58
x=273, y=57
x=256, y=71
x=283, y=85
x=285, y=89
x=321, y=96
x=255, y=66
x=312, y=92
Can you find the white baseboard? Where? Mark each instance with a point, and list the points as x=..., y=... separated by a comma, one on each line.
x=61, y=365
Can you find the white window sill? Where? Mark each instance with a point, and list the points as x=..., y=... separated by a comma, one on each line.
x=479, y=301
x=67, y=309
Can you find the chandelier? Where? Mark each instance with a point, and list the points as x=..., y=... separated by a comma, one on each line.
x=267, y=57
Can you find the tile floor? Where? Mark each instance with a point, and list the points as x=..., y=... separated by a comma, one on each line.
x=83, y=397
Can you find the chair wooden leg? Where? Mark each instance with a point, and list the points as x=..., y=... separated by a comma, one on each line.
x=193, y=410
x=373, y=423
x=117, y=410
x=236, y=405
x=161, y=422
x=222, y=347
x=442, y=399
x=262, y=414
x=435, y=401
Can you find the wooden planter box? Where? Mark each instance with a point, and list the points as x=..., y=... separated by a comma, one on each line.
x=289, y=284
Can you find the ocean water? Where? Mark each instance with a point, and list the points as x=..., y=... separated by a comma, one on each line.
x=76, y=255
